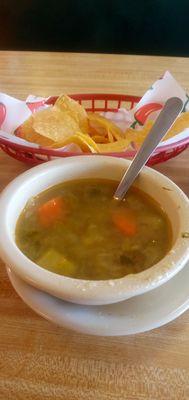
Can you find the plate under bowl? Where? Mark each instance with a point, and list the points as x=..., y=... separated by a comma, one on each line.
x=135, y=315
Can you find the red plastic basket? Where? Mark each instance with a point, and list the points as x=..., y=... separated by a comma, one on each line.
x=92, y=102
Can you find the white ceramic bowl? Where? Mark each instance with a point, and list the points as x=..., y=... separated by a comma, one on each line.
x=37, y=179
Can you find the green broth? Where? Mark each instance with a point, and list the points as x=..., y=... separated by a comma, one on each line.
x=84, y=242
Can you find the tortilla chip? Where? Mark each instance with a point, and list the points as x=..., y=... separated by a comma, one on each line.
x=27, y=132
x=54, y=124
x=74, y=110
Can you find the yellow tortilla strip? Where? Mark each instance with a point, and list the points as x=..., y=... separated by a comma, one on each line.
x=119, y=145
x=181, y=123
x=74, y=110
x=85, y=142
x=110, y=136
x=99, y=125
x=138, y=136
x=100, y=139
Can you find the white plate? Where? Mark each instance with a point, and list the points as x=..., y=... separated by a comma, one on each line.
x=138, y=314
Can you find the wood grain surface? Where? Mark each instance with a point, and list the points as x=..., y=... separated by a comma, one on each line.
x=39, y=360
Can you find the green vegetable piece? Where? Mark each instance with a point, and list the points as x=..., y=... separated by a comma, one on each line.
x=56, y=262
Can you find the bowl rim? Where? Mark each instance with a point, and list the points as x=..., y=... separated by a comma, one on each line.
x=85, y=291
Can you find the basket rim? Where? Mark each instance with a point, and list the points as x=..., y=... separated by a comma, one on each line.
x=91, y=96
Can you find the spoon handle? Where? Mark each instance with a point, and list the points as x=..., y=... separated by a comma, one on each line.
x=163, y=123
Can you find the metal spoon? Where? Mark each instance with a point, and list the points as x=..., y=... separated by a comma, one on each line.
x=163, y=123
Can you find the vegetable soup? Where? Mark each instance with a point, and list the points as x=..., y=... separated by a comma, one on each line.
x=78, y=230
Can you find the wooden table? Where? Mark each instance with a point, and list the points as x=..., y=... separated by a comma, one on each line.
x=38, y=360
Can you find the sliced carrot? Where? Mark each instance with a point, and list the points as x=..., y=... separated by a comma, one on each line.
x=125, y=222
x=51, y=211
